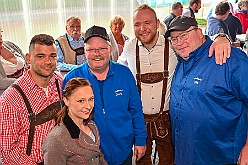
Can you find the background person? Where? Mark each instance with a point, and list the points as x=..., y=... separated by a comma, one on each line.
x=12, y=62
x=234, y=26
x=118, y=109
x=194, y=7
x=211, y=11
x=75, y=138
x=24, y=128
x=216, y=23
x=117, y=39
x=70, y=47
x=176, y=10
x=242, y=14
x=200, y=115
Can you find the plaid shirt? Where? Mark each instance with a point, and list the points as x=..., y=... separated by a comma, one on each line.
x=14, y=123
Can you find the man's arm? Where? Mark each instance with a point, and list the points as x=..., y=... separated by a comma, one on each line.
x=243, y=157
x=222, y=48
x=239, y=87
x=135, y=109
x=4, y=80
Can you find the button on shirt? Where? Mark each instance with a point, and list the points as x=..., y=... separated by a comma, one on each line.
x=74, y=44
x=150, y=61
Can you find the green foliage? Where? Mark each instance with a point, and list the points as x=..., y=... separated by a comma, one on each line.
x=201, y=21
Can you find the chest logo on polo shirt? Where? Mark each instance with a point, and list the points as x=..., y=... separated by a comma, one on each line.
x=118, y=92
x=197, y=80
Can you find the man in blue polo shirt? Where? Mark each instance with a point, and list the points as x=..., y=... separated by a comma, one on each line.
x=208, y=104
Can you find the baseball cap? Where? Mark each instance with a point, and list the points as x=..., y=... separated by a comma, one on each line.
x=96, y=31
x=181, y=23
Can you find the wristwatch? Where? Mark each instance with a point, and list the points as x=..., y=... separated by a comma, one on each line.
x=223, y=35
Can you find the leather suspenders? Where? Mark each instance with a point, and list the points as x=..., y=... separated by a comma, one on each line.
x=45, y=115
x=154, y=77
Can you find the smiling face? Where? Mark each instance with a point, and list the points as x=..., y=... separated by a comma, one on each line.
x=184, y=47
x=97, y=51
x=117, y=26
x=80, y=104
x=146, y=27
x=42, y=60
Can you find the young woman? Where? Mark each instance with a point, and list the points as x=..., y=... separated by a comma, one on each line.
x=75, y=138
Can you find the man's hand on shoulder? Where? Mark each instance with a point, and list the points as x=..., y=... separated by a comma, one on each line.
x=222, y=48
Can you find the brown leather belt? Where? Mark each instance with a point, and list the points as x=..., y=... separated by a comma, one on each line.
x=151, y=78
x=153, y=117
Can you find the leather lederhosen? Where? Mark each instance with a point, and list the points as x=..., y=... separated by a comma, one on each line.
x=157, y=120
x=45, y=115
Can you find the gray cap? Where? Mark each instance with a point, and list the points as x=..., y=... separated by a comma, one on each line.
x=96, y=31
x=181, y=23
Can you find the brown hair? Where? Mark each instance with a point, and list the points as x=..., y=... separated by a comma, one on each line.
x=222, y=8
x=115, y=18
x=192, y=2
x=145, y=6
x=42, y=39
x=176, y=5
x=243, y=3
x=70, y=88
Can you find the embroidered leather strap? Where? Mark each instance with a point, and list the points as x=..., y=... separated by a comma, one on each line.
x=45, y=115
x=154, y=77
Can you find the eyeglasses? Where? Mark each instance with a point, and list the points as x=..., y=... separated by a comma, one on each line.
x=73, y=27
x=182, y=36
x=100, y=50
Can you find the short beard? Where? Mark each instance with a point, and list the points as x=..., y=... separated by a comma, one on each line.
x=42, y=75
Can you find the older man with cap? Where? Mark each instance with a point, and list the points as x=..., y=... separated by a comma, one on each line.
x=208, y=104
x=118, y=109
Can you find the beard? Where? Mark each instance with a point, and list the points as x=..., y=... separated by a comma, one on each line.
x=39, y=72
x=148, y=40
